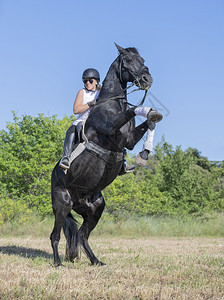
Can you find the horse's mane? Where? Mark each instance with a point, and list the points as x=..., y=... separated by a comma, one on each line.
x=132, y=49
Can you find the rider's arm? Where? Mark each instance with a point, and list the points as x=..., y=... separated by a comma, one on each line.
x=78, y=107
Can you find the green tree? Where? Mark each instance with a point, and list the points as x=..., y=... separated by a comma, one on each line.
x=201, y=161
x=30, y=147
x=136, y=194
x=188, y=183
x=173, y=182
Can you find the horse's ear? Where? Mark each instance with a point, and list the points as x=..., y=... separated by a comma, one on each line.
x=120, y=49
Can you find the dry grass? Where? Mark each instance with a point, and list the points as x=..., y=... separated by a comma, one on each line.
x=152, y=268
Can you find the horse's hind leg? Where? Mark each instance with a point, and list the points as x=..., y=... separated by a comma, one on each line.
x=62, y=205
x=91, y=216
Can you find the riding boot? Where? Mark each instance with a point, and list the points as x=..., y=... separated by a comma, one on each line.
x=67, y=149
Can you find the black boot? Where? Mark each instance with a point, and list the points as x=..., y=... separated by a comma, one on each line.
x=67, y=149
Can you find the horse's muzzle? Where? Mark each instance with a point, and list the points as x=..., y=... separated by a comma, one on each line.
x=145, y=81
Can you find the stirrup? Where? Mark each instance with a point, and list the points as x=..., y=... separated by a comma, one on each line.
x=125, y=170
x=64, y=163
x=130, y=169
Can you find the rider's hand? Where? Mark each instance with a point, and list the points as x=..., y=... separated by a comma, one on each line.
x=92, y=103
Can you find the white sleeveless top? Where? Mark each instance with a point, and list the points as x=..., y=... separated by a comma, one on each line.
x=88, y=96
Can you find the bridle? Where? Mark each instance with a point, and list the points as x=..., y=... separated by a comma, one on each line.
x=134, y=75
x=136, y=81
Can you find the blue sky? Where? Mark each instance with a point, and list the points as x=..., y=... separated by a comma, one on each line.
x=46, y=45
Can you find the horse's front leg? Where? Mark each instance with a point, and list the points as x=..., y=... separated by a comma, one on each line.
x=109, y=124
x=135, y=135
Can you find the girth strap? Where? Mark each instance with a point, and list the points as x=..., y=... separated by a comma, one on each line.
x=106, y=155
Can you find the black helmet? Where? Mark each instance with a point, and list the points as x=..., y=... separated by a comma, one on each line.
x=91, y=73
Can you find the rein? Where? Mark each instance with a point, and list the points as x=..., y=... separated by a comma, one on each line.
x=121, y=96
x=143, y=100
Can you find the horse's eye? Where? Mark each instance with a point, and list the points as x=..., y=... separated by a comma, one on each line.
x=128, y=60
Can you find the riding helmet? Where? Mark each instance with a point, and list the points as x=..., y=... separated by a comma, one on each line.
x=91, y=73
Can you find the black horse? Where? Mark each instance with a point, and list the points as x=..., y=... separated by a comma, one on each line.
x=109, y=129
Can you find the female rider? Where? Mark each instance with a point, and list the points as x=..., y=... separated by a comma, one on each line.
x=85, y=99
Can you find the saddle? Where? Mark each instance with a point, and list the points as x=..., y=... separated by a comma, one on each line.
x=82, y=143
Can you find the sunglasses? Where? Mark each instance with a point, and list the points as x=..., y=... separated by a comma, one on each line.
x=86, y=80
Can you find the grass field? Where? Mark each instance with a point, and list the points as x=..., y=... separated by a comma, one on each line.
x=144, y=268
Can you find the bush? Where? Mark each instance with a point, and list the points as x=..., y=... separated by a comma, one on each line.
x=13, y=211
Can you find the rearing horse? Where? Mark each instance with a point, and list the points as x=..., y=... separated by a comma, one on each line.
x=109, y=129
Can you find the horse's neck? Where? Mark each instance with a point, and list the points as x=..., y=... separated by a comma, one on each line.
x=112, y=85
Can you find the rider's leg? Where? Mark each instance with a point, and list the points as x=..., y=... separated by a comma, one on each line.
x=67, y=149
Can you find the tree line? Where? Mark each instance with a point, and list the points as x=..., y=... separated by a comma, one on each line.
x=174, y=182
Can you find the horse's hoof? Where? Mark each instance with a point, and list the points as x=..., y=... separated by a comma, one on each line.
x=99, y=264
x=139, y=161
x=154, y=116
x=58, y=265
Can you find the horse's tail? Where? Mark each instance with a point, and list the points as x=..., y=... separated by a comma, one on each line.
x=71, y=233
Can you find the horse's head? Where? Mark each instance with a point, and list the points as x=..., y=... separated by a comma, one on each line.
x=132, y=68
